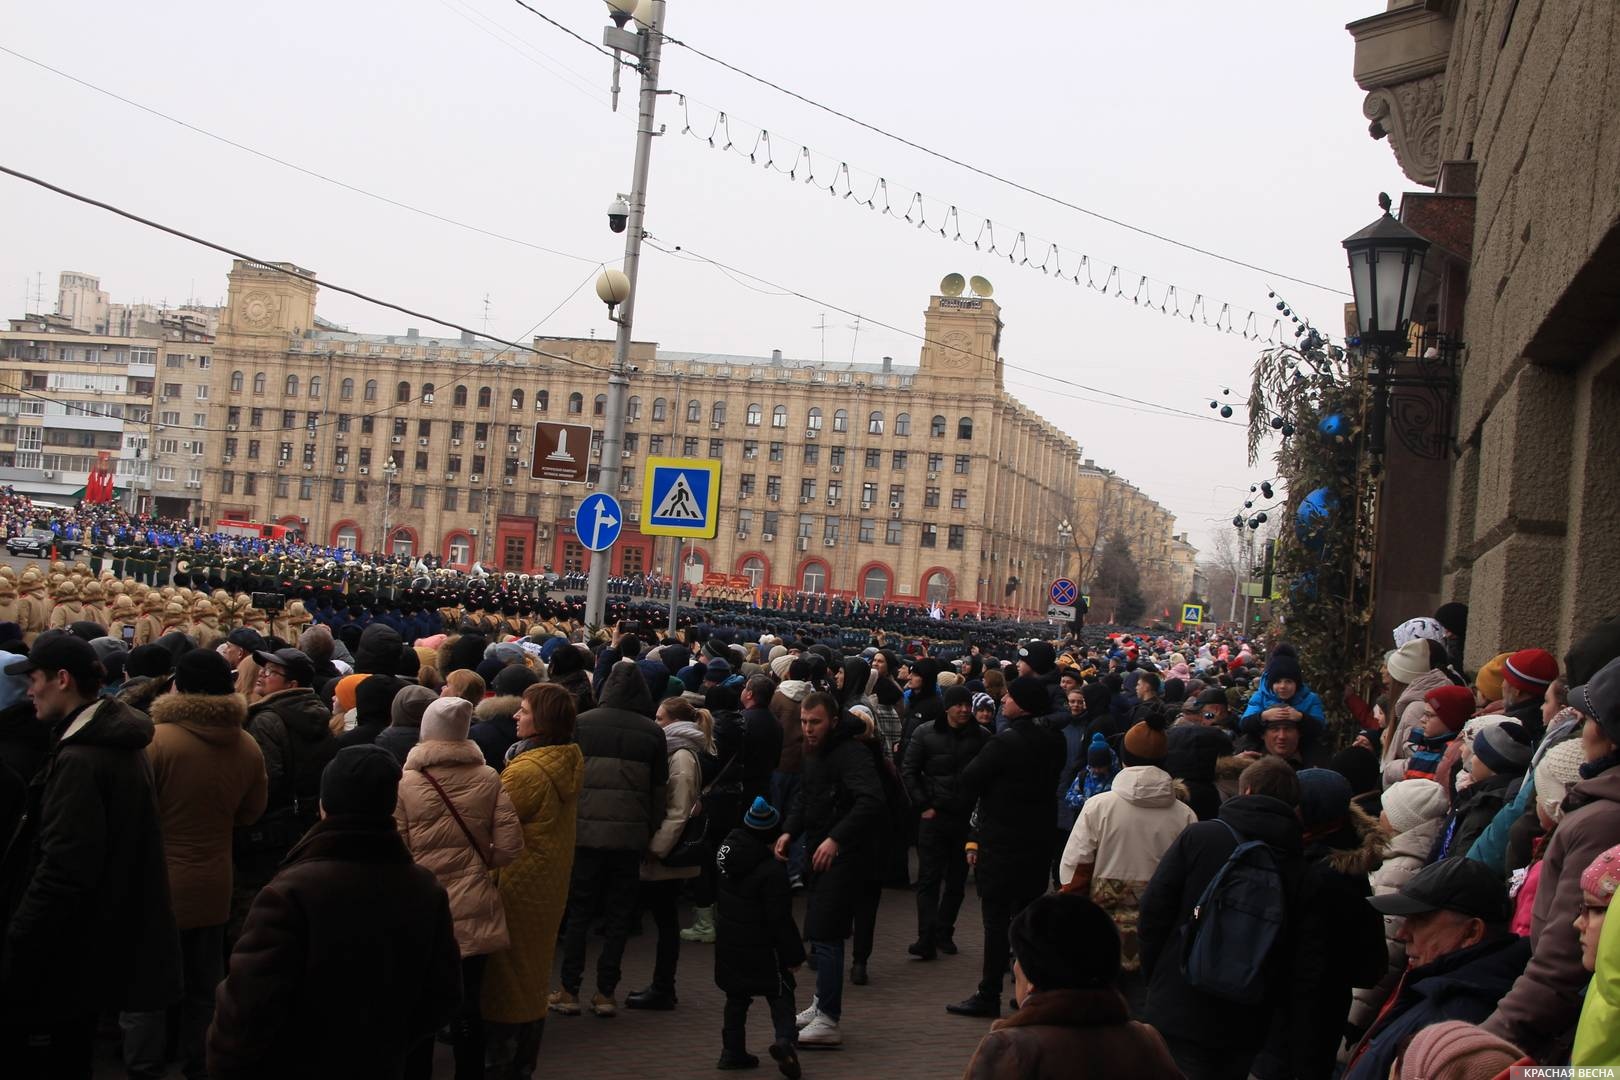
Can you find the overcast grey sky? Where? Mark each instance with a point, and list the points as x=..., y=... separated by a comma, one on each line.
x=1234, y=126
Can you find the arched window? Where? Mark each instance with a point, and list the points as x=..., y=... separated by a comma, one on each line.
x=874, y=424
x=314, y=386
x=964, y=428
x=576, y=403
x=660, y=409
x=875, y=584
x=937, y=589
x=236, y=382
x=517, y=400
x=841, y=420
x=458, y=550
x=258, y=382
x=902, y=424
x=371, y=390
x=813, y=421
x=542, y=400
x=779, y=416
x=694, y=411
x=599, y=405
x=459, y=397
x=936, y=427
x=347, y=537
x=635, y=409
x=753, y=569
x=717, y=414
x=754, y=414
x=814, y=578
x=485, y=397
x=291, y=386
x=346, y=390
x=401, y=542
x=402, y=393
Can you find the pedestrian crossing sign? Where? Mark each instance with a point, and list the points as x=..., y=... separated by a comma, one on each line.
x=1192, y=614
x=681, y=497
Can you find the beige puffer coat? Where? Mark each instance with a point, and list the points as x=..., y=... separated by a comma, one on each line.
x=438, y=843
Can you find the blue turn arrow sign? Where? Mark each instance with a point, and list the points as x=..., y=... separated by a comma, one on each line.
x=598, y=521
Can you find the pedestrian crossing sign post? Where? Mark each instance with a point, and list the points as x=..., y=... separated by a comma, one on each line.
x=1192, y=614
x=681, y=497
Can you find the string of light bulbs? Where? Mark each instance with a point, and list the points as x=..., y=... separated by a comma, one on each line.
x=801, y=163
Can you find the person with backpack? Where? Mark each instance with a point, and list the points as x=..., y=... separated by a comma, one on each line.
x=1213, y=927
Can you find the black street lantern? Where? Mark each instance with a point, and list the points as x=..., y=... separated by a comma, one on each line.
x=1386, y=261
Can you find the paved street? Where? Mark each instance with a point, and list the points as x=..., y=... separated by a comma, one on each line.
x=895, y=1026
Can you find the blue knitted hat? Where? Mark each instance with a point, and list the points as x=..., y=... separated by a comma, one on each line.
x=762, y=815
x=1098, y=753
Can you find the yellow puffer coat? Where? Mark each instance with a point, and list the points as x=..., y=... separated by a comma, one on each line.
x=1597, y=1038
x=544, y=785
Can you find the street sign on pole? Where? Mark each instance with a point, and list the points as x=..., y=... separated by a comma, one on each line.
x=1192, y=614
x=1064, y=592
x=681, y=497
x=1060, y=612
x=561, y=452
x=598, y=521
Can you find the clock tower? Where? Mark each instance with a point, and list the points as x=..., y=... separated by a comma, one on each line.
x=267, y=302
x=962, y=339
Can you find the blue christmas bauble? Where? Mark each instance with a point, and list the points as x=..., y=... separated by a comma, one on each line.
x=1311, y=519
x=1332, y=426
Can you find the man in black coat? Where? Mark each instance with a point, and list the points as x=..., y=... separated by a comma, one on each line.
x=1013, y=779
x=1213, y=1038
x=348, y=961
x=837, y=810
x=936, y=757
x=92, y=929
x=759, y=747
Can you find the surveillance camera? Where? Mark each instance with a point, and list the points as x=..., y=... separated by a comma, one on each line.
x=618, y=214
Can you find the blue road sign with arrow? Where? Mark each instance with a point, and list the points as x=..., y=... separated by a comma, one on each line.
x=598, y=521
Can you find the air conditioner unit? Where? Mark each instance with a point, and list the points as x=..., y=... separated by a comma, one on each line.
x=230, y=427
x=894, y=504
x=804, y=543
x=767, y=537
x=596, y=451
x=455, y=442
x=741, y=533
x=895, y=515
x=511, y=448
x=750, y=455
x=933, y=476
x=810, y=434
x=342, y=468
x=774, y=498
x=474, y=478
x=509, y=481
x=590, y=485
x=421, y=440
x=341, y=434
x=193, y=483
x=542, y=533
x=837, y=469
x=634, y=513
x=831, y=542
x=365, y=470
x=308, y=467
x=804, y=500
x=832, y=500
x=745, y=495
x=480, y=444
x=282, y=464
x=229, y=458
x=396, y=440
x=49, y=474
x=716, y=425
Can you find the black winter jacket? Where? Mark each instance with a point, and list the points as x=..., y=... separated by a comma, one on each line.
x=348, y=959
x=626, y=766
x=1013, y=779
x=293, y=729
x=840, y=797
x=756, y=938
x=1167, y=903
x=935, y=759
x=755, y=737
x=93, y=928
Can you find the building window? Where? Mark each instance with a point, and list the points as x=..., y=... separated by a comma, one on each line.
x=573, y=557
x=841, y=420
x=517, y=400
x=452, y=497
x=346, y=390
x=655, y=444
x=314, y=386
x=874, y=424
x=868, y=531
x=745, y=522
x=236, y=382
x=599, y=405
x=956, y=538
x=897, y=496
x=717, y=413
x=755, y=412
x=634, y=410
x=930, y=498
x=716, y=447
x=815, y=578
x=899, y=460
x=891, y=532
x=773, y=488
x=829, y=531
x=936, y=427
x=689, y=446
x=777, y=452
x=959, y=498
x=875, y=583
x=812, y=455
x=937, y=589
x=754, y=570
x=337, y=491
x=964, y=428
x=576, y=404
x=402, y=393
x=306, y=489
x=745, y=487
x=258, y=382
x=542, y=400
x=813, y=421
x=630, y=561
x=347, y=537
x=418, y=496
x=807, y=488
x=962, y=461
x=660, y=409
x=371, y=390
x=930, y=536
x=779, y=416
x=771, y=520
x=874, y=459
x=902, y=424
x=694, y=411
x=458, y=550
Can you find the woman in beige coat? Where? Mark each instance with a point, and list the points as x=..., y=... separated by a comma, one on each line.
x=459, y=823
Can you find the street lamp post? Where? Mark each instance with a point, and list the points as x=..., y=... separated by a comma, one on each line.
x=615, y=288
x=1386, y=263
x=389, y=471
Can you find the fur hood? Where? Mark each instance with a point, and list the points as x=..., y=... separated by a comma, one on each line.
x=213, y=717
x=1368, y=851
x=1229, y=768
x=436, y=752
x=497, y=708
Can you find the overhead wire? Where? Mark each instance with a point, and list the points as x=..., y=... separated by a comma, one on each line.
x=949, y=159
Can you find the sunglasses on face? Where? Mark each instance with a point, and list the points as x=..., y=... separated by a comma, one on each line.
x=1210, y=715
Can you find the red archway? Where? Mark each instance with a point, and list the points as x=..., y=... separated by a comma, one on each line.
x=472, y=549
x=765, y=561
x=951, y=594
x=353, y=527
x=807, y=563
x=860, y=581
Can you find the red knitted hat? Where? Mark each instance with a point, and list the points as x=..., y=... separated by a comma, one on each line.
x=1452, y=704
x=1531, y=670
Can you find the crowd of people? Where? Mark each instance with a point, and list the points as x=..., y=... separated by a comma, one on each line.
x=314, y=849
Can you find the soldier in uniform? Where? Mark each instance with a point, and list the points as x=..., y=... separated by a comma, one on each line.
x=175, y=617
x=122, y=614
x=10, y=605
x=68, y=608
x=92, y=597
x=149, y=624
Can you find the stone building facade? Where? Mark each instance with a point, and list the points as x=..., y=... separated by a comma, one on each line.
x=886, y=481
x=1504, y=107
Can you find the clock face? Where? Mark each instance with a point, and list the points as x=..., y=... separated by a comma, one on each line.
x=958, y=348
x=258, y=310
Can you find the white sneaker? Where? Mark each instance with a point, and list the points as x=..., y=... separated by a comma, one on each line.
x=808, y=1016
x=821, y=1034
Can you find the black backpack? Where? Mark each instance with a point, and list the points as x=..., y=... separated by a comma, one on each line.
x=1235, y=924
